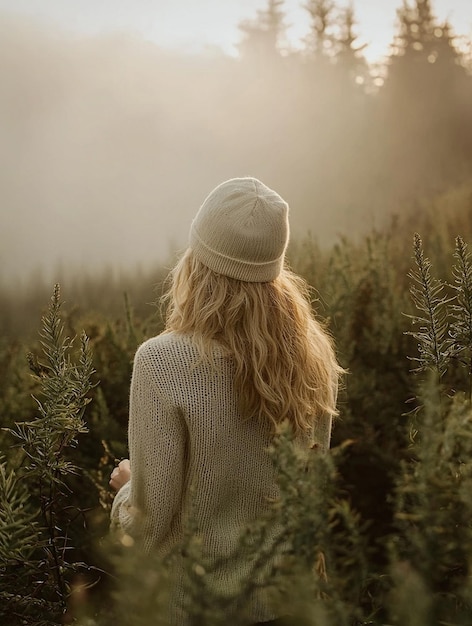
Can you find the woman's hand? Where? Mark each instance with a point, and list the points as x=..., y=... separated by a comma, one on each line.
x=120, y=475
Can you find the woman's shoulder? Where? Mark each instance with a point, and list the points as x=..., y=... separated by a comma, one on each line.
x=174, y=346
x=167, y=343
x=175, y=358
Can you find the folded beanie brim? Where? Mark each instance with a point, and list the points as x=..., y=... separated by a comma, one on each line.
x=248, y=271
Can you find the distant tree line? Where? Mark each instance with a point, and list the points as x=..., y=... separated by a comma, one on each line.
x=381, y=137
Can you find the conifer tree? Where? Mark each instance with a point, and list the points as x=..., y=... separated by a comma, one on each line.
x=349, y=57
x=319, y=40
x=423, y=101
x=262, y=36
x=37, y=568
x=421, y=41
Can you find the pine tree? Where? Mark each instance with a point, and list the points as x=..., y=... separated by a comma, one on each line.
x=421, y=41
x=424, y=102
x=319, y=41
x=349, y=57
x=37, y=566
x=263, y=36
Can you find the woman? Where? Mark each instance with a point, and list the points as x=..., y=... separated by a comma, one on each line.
x=241, y=353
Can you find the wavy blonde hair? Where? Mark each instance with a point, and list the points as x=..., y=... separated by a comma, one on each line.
x=285, y=366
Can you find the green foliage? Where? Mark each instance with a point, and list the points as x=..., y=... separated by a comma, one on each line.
x=363, y=287
x=37, y=568
x=325, y=566
x=18, y=533
x=430, y=300
x=432, y=546
x=461, y=311
x=445, y=319
x=375, y=532
x=433, y=543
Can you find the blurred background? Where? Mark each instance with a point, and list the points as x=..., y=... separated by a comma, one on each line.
x=118, y=117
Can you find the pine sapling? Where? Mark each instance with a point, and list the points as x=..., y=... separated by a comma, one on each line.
x=430, y=299
x=461, y=311
x=46, y=440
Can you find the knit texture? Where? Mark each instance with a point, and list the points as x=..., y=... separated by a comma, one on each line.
x=241, y=231
x=185, y=429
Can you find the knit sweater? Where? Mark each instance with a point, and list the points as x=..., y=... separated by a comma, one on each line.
x=191, y=451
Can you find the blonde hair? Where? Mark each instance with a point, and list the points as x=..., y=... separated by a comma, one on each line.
x=284, y=363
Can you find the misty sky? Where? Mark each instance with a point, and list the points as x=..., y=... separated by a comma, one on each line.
x=192, y=25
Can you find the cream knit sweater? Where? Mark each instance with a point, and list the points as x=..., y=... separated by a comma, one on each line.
x=185, y=430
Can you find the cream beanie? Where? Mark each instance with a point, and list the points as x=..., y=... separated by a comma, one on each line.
x=241, y=230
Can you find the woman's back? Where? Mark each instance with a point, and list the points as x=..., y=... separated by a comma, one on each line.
x=188, y=414
x=197, y=459
x=241, y=353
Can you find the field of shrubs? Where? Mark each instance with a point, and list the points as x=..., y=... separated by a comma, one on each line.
x=378, y=532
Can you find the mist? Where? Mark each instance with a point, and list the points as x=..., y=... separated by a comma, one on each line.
x=104, y=149
x=108, y=146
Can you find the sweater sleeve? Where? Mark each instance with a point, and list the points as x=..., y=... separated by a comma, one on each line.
x=146, y=505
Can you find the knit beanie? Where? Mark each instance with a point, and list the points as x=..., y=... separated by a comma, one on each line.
x=241, y=231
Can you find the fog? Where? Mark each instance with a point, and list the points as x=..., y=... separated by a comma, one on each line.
x=97, y=162
x=108, y=145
